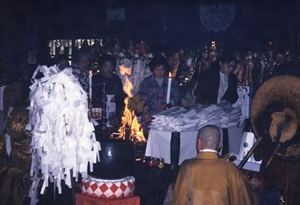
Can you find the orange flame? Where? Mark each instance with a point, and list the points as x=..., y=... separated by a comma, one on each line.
x=124, y=70
x=129, y=119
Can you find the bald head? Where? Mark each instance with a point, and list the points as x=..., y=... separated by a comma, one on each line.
x=209, y=138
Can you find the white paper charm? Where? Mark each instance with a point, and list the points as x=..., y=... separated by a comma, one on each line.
x=63, y=138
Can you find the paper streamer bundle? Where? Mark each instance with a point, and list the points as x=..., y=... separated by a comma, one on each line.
x=63, y=138
x=178, y=119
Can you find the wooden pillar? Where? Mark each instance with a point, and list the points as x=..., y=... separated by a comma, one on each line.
x=289, y=188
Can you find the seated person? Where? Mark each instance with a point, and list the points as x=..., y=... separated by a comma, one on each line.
x=62, y=62
x=81, y=69
x=153, y=90
x=107, y=83
x=208, y=179
x=25, y=73
x=218, y=84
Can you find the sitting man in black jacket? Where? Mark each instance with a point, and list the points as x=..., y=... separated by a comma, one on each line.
x=218, y=84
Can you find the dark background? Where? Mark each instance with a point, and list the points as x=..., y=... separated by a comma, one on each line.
x=165, y=25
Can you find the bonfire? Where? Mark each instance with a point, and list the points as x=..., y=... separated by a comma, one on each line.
x=130, y=128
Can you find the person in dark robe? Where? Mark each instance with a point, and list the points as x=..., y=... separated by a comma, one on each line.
x=62, y=61
x=209, y=179
x=25, y=73
x=218, y=84
x=105, y=84
x=81, y=69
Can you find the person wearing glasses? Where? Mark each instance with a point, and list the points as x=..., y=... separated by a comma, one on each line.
x=218, y=84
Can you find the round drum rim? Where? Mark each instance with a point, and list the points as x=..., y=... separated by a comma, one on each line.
x=278, y=94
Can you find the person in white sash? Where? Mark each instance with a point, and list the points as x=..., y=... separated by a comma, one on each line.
x=209, y=179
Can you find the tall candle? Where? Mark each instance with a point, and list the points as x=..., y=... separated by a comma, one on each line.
x=169, y=88
x=90, y=84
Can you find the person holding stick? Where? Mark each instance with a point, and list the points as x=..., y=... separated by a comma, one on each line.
x=208, y=179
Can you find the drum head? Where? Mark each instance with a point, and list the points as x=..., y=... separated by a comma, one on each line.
x=275, y=115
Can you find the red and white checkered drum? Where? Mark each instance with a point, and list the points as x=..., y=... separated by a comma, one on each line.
x=108, y=189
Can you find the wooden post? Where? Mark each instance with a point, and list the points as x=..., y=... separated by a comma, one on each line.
x=73, y=187
x=289, y=187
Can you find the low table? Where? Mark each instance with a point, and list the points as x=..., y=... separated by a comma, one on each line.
x=158, y=144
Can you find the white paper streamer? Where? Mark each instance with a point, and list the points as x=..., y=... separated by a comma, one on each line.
x=63, y=138
x=136, y=69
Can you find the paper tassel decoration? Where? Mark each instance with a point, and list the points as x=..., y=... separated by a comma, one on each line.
x=63, y=138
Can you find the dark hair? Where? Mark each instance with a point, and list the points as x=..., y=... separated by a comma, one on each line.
x=81, y=54
x=106, y=57
x=227, y=57
x=60, y=58
x=157, y=61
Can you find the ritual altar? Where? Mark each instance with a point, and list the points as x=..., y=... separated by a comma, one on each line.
x=158, y=144
x=185, y=123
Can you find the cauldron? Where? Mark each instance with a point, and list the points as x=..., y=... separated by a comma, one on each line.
x=117, y=158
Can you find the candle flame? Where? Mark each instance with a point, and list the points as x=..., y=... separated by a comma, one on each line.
x=170, y=75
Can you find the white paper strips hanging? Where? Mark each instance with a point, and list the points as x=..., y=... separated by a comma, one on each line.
x=63, y=138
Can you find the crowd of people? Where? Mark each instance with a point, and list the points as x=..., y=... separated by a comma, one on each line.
x=216, y=85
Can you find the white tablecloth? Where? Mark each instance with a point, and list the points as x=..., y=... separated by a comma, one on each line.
x=158, y=144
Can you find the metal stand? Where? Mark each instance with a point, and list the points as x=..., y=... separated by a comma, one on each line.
x=103, y=109
x=175, y=149
x=243, y=162
x=168, y=106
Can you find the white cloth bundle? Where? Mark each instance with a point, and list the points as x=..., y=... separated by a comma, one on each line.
x=63, y=137
x=178, y=119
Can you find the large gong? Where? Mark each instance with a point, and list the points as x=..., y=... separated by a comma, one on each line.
x=275, y=115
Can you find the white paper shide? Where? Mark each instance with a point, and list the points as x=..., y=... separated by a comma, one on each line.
x=63, y=138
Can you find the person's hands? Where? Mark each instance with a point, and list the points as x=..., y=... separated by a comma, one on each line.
x=223, y=101
x=255, y=183
x=161, y=108
x=202, y=99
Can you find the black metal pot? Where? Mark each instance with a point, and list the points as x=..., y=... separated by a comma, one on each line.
x=117, y=159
